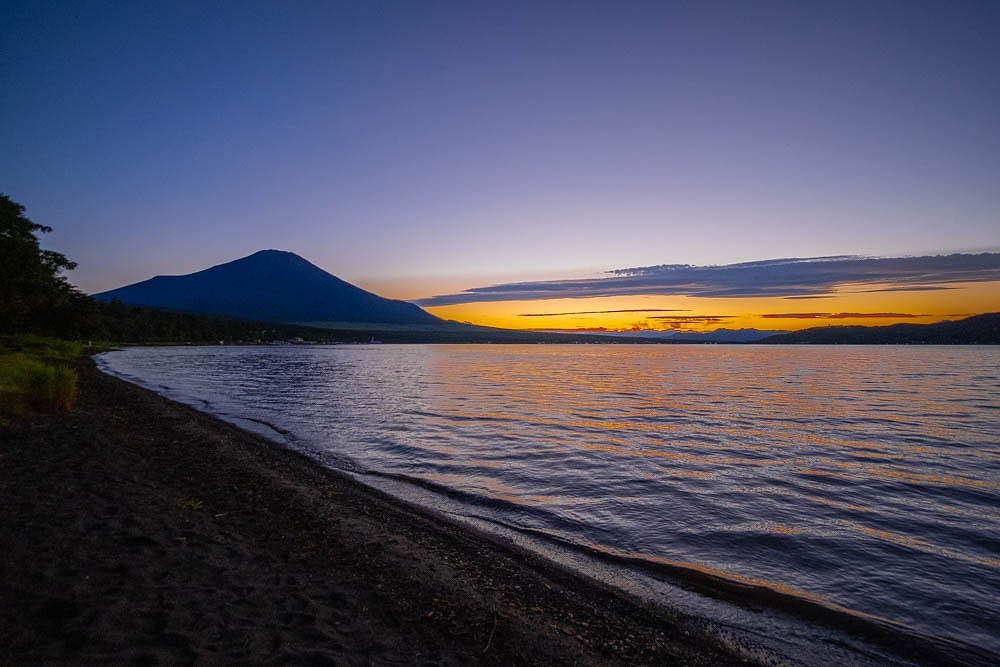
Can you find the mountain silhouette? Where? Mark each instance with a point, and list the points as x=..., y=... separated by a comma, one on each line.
x=269, y=286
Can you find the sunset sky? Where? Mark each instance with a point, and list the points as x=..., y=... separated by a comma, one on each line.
x=549, y=165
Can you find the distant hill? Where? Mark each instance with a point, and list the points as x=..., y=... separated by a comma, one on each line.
x=269, y=286
x=717, y=336
x=976, y=330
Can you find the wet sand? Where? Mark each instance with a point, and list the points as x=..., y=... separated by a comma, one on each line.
x=138, y=530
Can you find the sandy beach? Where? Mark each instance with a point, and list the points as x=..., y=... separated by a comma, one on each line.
x=138, y=530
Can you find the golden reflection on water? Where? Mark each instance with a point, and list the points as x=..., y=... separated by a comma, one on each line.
x=913, y=542
x=839, y=504
x=858, y=478
x=674, y=472
x=778, y=528
x=855, y=469
x=854, y=418
x=827, y=400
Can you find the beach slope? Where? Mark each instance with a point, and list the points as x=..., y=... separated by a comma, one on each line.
x=135, y=529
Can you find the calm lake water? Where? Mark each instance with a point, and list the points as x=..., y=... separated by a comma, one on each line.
x=864, y=479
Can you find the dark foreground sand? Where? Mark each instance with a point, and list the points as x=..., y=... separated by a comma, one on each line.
x=137, y=530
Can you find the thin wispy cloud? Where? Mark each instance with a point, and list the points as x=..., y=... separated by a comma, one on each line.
x=840, y=316
x=790, y=277
x=605, y=312
x=816, y=296
x=576, y=330
x=691, y=318
x=910, y=288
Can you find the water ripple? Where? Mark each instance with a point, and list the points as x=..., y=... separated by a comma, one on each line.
x=864, y=479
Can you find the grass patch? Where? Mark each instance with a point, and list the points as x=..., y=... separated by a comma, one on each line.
x=36, y=374
x=49, y=387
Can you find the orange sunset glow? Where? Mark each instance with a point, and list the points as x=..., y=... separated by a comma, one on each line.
x=865, y=305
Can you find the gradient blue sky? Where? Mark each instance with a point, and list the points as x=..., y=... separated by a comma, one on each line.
x=422, y=148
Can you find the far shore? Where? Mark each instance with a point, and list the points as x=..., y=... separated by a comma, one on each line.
x=136, y=529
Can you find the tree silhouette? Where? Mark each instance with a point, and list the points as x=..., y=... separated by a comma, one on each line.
x=31, y=286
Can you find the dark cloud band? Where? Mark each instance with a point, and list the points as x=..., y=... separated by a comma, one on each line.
x=791, y=277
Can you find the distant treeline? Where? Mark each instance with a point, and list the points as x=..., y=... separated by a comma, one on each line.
x=82, y=318
x=976, y=330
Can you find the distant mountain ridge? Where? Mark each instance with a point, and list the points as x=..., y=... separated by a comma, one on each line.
x=269, y=286
x=976, y=330
x=724, y=336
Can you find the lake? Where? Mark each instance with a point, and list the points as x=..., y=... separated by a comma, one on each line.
x=854, y=483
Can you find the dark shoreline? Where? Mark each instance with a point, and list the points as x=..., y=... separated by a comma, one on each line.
x=136, y=529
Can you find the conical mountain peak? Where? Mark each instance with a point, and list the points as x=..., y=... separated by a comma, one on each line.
x=270, y=286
